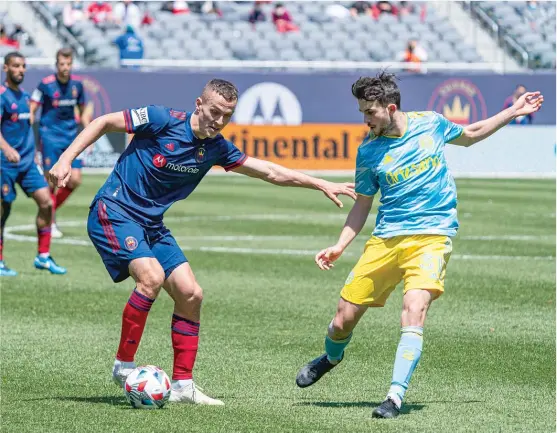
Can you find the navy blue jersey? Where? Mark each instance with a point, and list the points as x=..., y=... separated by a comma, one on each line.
x=163, y=163
x=15, y=126
x=58, y=107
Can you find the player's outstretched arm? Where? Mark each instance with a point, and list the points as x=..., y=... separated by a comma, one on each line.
x=527, y=104
x=354, y=223
x=279, y=175
x=60, y=173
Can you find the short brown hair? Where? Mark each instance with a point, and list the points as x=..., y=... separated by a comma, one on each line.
x=224, y=88
x=64, y=52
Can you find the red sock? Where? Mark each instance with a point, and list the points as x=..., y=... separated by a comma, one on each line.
x=185, y=340
x=44, y=239
x=61, y=195
x=133, y=322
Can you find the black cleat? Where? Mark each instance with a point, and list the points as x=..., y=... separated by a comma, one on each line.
x=387, y=409
x=313, y=371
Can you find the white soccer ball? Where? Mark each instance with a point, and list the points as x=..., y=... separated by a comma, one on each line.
x=147, y=387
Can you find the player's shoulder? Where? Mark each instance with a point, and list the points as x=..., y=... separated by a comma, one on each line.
x=179, y=115
x=49, y=79
x=422, y=114
x=76, y=79
x=3, y=89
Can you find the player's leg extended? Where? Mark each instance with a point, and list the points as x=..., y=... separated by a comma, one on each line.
x=338, y=336
x=183, y=288
x=424, y=263
x=44, y=220
x=8, y=194
x=5, y=213
x=369, y=285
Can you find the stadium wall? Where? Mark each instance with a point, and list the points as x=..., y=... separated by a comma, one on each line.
x=310, y=121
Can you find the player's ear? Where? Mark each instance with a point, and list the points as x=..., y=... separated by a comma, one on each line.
x=198, y=105
x=391, y=108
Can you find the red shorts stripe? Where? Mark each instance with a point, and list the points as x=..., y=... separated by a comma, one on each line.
x=107, y=227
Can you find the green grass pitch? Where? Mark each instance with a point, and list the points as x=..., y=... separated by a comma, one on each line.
x=488, y=363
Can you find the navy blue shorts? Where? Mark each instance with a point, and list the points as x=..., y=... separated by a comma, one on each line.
x=52, y=149
x=30, y=179
x=119, y=240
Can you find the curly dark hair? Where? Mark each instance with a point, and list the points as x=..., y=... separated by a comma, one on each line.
x=381, y=88
x=12, y=55
x=224, y=88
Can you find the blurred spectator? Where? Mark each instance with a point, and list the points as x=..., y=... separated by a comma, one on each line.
x=361, y=8
x=406, y=8
x=100, y=12
x=534, y=13
x=5, y=40
x=176, y=7
x=337, y=11
x=414, y=54
x=127, y=13
x=130, y=45
x=205, y=7
x=73, y=12
x=256, y=13
x=518, y=92
x=283, y=20
x=21, y=36
x=384, y=7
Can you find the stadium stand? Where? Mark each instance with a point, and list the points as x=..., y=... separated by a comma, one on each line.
x=13, y=36
x=228, y=34
x=525, y=29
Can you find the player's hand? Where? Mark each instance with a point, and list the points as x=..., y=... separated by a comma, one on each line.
x=528, y=103
x=60, y=173
x=325, y=258
x=333, y=190
x=11, y=154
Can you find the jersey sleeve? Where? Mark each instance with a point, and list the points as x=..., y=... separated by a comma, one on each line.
x=148, y=120
x=366, y=179
x=38, y=93
x=81, y=99
x=231, y=157
x=451, y=131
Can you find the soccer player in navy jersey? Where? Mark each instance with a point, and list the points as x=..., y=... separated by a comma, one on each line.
x=17, y=163
x=60, y=95
x=169, y=155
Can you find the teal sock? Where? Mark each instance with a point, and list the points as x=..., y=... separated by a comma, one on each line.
x=335, y=348
x=407, y=358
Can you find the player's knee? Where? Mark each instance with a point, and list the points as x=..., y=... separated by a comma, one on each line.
x=193, y=294
x=150, y=283
x=414, y=312
x=45, y=204
x=339, y=328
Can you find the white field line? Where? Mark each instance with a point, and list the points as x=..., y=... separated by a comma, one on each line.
x=11, y=233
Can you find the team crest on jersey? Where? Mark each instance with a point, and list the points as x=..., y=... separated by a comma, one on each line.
x=170, y=146
x=200, y=155
x=74, y=92
x=131, y=243
x=5, y=189
x=56, y=94
x=387, y=159
x=426, y=142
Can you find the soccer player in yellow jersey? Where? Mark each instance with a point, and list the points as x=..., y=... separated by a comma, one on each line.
x=403, y=158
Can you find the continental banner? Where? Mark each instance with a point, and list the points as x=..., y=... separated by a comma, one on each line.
x=310, y=146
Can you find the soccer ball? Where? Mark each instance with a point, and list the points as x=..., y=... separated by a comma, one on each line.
x=147, y=387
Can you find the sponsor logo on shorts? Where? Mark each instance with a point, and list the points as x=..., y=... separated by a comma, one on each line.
x=5, y=189
x=159, y=160
x=140, y=116
x=131, y=243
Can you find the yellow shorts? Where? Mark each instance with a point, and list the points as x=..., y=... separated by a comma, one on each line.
x=420, y=260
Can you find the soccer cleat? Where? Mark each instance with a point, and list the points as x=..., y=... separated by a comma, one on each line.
x=387, y=409
x=55, y=231
x=5, y=271
x=49, y=264
x=313, y=371
x=120, y=373
x=192, y=394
